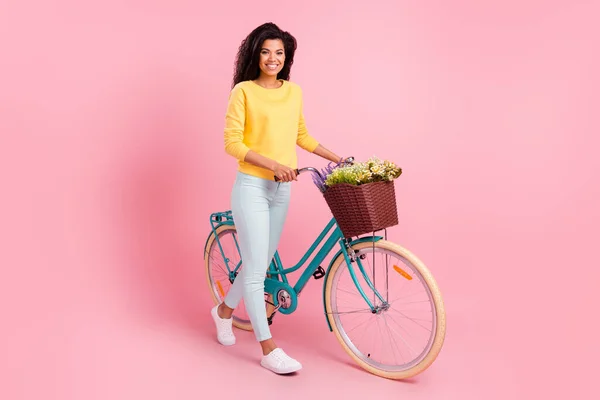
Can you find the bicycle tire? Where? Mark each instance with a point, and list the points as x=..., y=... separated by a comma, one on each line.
x=440, y=323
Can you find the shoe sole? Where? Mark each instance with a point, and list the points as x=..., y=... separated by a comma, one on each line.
x=290, y=370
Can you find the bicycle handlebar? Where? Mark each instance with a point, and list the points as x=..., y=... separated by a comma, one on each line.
x=299, y=171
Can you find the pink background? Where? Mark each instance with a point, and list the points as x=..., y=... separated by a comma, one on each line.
x=111, y=119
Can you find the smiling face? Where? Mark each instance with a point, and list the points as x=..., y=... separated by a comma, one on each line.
x=272, y=57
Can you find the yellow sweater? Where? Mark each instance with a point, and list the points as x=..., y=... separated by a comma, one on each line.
x=269, y=122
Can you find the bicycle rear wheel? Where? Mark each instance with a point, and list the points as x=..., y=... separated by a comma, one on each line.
x=218, y=274
x=405, y=332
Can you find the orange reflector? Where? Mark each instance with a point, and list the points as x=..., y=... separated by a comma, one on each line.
x=402, y=272
x=220, y=289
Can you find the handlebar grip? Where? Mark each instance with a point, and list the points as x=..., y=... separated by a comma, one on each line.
x=297, y=173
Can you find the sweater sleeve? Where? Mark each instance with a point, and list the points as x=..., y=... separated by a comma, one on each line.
x=235, y=119
x=305, y=140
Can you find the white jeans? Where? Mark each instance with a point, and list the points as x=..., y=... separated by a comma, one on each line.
x=259, y=209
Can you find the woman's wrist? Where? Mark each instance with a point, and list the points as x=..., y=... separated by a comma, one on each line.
x=335, y=158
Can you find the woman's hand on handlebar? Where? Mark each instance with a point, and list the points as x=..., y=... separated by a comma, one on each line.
x=285, y=174
x=348, y=160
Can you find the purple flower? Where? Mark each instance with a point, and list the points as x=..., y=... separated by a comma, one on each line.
x=319, y=179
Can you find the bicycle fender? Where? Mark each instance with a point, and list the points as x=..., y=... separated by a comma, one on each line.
x=339, y=252
x=213, y=233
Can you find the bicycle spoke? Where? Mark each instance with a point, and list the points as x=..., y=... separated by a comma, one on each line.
x=359, y=325
x=354, y=293
x=413, y=320
x=351, y=312
x=392, y=339
x=401, y=327
x=404, y=297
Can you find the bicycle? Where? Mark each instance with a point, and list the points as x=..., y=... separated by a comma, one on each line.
x=282, y=296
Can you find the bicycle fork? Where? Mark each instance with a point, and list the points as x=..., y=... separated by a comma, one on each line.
x=351, y=258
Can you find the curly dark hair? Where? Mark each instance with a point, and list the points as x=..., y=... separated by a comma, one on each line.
x=246, y=63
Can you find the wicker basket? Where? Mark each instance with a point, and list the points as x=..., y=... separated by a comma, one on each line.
x=362, y=209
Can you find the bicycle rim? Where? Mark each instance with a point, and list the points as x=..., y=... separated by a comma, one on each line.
x=405, y=334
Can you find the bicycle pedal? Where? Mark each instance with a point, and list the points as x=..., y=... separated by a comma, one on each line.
x=319, y=273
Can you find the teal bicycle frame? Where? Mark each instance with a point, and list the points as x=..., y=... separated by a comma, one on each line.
x=284, y=295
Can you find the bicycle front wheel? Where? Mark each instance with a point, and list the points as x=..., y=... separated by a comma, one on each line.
x=404, y=332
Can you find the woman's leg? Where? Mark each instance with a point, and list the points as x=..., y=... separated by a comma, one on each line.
x=250, y=209
x=259, y=209
x=280, y=199
x=274, y=358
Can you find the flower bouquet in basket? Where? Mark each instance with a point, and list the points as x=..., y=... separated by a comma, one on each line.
x=361, y=196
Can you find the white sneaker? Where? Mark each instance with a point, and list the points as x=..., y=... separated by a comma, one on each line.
x=280, y=363
x=225, y=334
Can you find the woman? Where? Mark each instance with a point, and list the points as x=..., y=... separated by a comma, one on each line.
x=264, y=124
